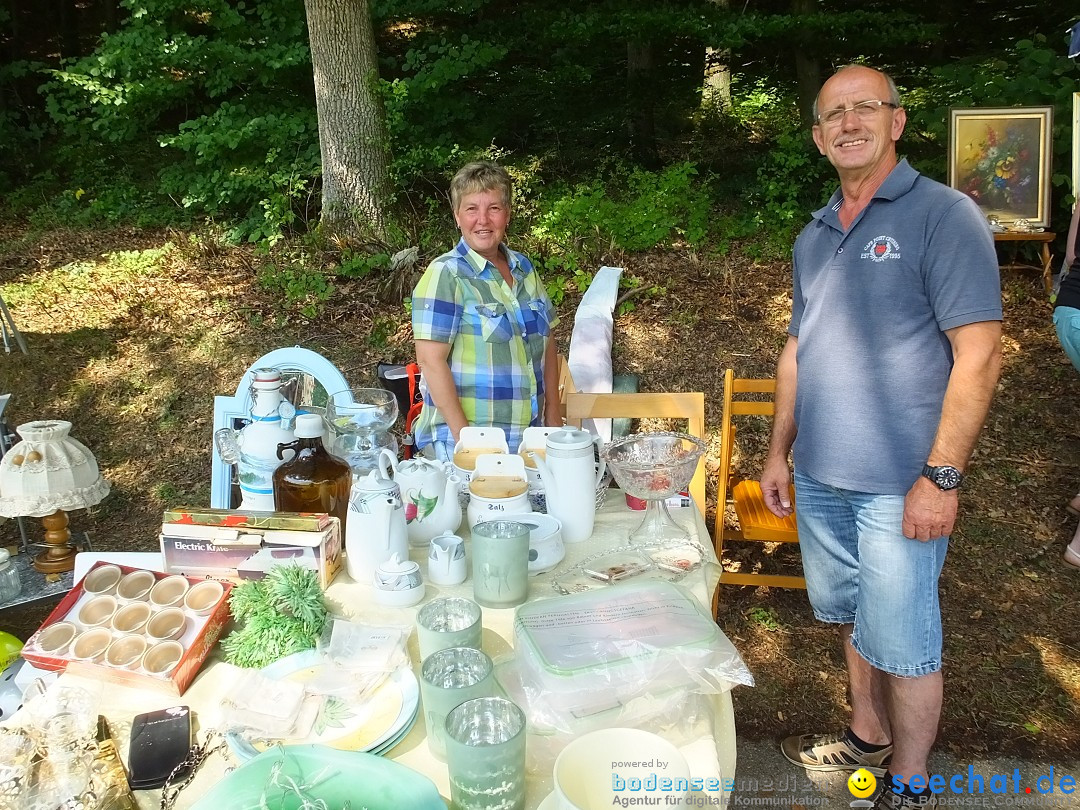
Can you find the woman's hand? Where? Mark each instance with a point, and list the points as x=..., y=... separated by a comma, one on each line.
x=432, y=357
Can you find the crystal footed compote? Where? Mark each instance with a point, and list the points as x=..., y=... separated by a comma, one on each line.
x=359, y=419
x=653, y=467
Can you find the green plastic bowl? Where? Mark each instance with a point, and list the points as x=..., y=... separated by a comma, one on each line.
x=365, y=780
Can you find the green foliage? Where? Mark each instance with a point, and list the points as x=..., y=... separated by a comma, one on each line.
x=628, y=209
x=282, y=614
x=300, y=287
x=240, y=159
x=224, y=88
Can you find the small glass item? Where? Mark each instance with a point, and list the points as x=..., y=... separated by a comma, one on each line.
x=1022, y=226
x=447, y=679
x=450, y=622
x=500, y=563
x=485, y=749
x=9, y=577
x=359, y=420
x=313, y=480
x=653, y=467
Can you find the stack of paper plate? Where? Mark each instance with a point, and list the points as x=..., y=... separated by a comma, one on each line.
x=375, y=727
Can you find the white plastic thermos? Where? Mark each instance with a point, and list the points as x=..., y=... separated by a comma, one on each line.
x=570, y=478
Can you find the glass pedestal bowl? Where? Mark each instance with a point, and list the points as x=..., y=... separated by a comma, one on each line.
x=653, y=467
x=359, y=420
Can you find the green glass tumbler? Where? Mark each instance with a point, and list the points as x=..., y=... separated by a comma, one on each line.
x=448, y=678
x=485, y=749
x=500, y=563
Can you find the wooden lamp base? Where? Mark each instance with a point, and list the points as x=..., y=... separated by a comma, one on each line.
x=59, y=556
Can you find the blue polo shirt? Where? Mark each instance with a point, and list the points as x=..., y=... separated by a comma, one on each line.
x=870, y=308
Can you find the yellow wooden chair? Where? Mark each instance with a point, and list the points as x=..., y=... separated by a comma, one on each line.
x=688, y=406
x=756, y=522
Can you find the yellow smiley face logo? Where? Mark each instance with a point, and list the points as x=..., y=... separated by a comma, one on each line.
x=861, y=783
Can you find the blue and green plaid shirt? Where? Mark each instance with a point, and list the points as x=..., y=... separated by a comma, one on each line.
x=497, y=338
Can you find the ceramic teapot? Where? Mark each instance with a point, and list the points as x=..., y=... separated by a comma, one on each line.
x=375, y=529
x=570, y=480
x=254, y=448
x=430, y=497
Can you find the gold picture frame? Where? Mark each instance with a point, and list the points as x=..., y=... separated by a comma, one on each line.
x=1000, y=157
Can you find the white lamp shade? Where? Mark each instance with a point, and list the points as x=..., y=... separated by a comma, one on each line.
x=47, y=471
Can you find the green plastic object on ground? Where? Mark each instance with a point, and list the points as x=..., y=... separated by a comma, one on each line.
x=286, y=776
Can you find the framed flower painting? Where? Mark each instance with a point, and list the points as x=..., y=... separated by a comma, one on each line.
x=1000, y=157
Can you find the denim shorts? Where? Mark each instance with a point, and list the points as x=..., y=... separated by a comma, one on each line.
x=439, y=451
x=1067, y=324
x=861, y=570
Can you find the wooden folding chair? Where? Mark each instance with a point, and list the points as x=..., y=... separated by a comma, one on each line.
x=756, y=522
x=688, y=406
x=566, y=382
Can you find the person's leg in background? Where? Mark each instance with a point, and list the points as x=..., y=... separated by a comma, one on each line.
x=1067, y=324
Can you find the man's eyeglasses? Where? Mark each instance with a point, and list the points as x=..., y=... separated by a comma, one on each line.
x=864, y=110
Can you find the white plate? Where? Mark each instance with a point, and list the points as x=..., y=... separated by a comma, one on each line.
x=548, y=803
x=400, y=690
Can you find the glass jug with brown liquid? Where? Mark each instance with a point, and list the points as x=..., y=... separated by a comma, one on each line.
x=314, y=480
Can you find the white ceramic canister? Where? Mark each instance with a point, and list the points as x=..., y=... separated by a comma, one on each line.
x=504, y=468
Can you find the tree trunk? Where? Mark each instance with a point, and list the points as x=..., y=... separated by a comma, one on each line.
x=352, y=123
x=716, y=89
x=807, y=71
x=641, y=97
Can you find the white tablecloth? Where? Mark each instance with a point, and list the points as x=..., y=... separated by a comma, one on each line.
x=708, y=743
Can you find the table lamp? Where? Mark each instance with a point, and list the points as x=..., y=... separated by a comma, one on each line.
x=46, y=475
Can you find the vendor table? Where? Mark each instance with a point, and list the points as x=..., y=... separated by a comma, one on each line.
x=1043, y=237
x=709, y=746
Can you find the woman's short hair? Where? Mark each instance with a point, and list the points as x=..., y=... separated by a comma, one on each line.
x=480, y=175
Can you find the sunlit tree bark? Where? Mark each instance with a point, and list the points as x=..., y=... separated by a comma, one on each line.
x=716, y=89
x=352, y=123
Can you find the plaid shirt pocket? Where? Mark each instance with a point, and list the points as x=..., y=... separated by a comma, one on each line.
x=494, y=322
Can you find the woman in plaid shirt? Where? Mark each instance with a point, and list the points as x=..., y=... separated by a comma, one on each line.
x=482, y=326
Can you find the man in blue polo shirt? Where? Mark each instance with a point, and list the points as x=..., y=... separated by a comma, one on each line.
x=892, y=357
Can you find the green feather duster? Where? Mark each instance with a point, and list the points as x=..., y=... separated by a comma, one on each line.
x=282, y=614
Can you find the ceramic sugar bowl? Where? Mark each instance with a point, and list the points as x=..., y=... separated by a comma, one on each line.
x=397, y=583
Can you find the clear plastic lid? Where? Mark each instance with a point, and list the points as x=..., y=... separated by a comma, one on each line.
x=606, y=627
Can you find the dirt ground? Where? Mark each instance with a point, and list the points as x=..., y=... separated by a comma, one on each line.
x=133, y=358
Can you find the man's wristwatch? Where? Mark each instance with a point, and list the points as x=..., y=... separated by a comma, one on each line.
x=944, y=477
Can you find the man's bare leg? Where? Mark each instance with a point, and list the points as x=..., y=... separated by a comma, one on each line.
x=914, y=710
x=869, y=710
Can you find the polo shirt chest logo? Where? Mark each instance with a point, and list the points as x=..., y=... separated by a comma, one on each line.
x=881, y=248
